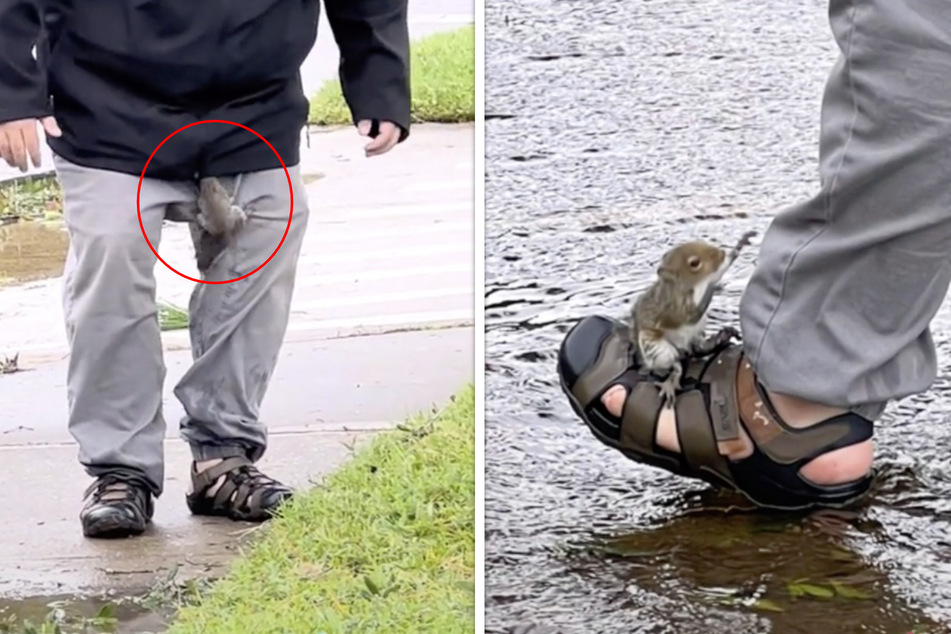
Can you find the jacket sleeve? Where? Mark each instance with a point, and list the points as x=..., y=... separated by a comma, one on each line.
x=23, y=87
x=373, y=38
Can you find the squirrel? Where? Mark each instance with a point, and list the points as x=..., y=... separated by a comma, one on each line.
x=213, y=219
x=217, y=212
x=669, y=318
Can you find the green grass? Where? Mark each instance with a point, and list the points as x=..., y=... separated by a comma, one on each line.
x=36, y=198
x=385, y=545
x=442, y=75
x=172, y=317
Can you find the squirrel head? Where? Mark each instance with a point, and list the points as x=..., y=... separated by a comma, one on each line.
x=690, y=263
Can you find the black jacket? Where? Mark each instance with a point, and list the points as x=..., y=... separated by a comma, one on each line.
x=121, y=75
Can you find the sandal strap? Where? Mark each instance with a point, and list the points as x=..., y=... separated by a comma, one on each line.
x=244, y=485
x=612, y=362
x=640, y=414
x=777, y=440
x=698, y=442
x=204, y=480
x=724, y=412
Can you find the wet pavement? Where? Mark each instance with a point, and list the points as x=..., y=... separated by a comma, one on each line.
x=380, y=329
x=396, y=254
x=326, y=395
x=614, y=131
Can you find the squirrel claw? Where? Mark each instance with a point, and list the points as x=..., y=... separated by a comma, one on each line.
x=727, y=333
x=723, y=339
x=668, y=394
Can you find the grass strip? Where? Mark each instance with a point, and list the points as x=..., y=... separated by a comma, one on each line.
x=385, y=544
x=442, y=75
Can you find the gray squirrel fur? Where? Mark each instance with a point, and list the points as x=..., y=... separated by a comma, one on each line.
x=213, y=219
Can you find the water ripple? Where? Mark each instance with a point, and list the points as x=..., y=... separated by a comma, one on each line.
x=615, y=130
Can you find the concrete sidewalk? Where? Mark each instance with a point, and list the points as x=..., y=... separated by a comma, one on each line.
x=389, y=249
x=325, y=396
x=389, y=245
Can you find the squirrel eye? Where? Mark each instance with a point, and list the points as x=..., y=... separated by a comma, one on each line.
x=693, y=262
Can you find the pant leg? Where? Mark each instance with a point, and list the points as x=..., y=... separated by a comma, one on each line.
x=116, y=371
x=237, y=329
x=838, y=308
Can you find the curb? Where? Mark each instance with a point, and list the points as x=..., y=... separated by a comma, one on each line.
x=178, y=340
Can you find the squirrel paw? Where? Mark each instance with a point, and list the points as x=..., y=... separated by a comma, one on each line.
x=727, y=334
x=668, y=392
x=722, y=339
x=238, y=217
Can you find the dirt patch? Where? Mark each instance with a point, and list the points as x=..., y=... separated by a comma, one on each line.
x=31, y=251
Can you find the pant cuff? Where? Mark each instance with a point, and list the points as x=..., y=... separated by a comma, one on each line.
x=217, y=452
x=870, y=411
x=127, y=474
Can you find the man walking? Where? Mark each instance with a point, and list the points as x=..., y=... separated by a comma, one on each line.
x=108, y=82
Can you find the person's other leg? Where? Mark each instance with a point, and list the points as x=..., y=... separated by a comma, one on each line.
x=236, y=333
x=116, y=371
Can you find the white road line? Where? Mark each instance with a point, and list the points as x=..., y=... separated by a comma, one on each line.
x=439, y=185
x=399, y=319
x=347, y=214
x=343, y=233
x=386, y=274
x=386, y=254
x=369, y=299
x=180, y=338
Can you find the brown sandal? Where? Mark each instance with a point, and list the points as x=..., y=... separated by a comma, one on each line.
x=719, y=394
x=246, y=494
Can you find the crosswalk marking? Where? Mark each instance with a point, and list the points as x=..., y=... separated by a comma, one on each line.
x=336, y=235
x=382, y=298
x=384, y=320
x=386, y=254
x=322, y=215
x=396, y=255
x=389, y=274
x=438, y=185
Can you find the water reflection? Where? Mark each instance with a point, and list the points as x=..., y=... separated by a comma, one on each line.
x=614, y=131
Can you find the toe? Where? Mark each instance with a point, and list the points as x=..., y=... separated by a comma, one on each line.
x=613, y=400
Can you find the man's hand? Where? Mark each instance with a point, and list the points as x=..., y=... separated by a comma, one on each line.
x=385, y=141
x=19, y=141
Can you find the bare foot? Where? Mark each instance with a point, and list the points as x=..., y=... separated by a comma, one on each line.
x=835, y=467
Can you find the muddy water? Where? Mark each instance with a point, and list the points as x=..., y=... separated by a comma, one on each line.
x=615, y=130
x=31, y=251
x=79, y=615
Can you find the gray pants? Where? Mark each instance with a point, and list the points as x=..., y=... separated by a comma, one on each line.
x=116, y=370
x=839, y=306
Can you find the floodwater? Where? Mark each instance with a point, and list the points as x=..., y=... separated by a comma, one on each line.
x=83, y=615
x=615, y=130
x=31, y=250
